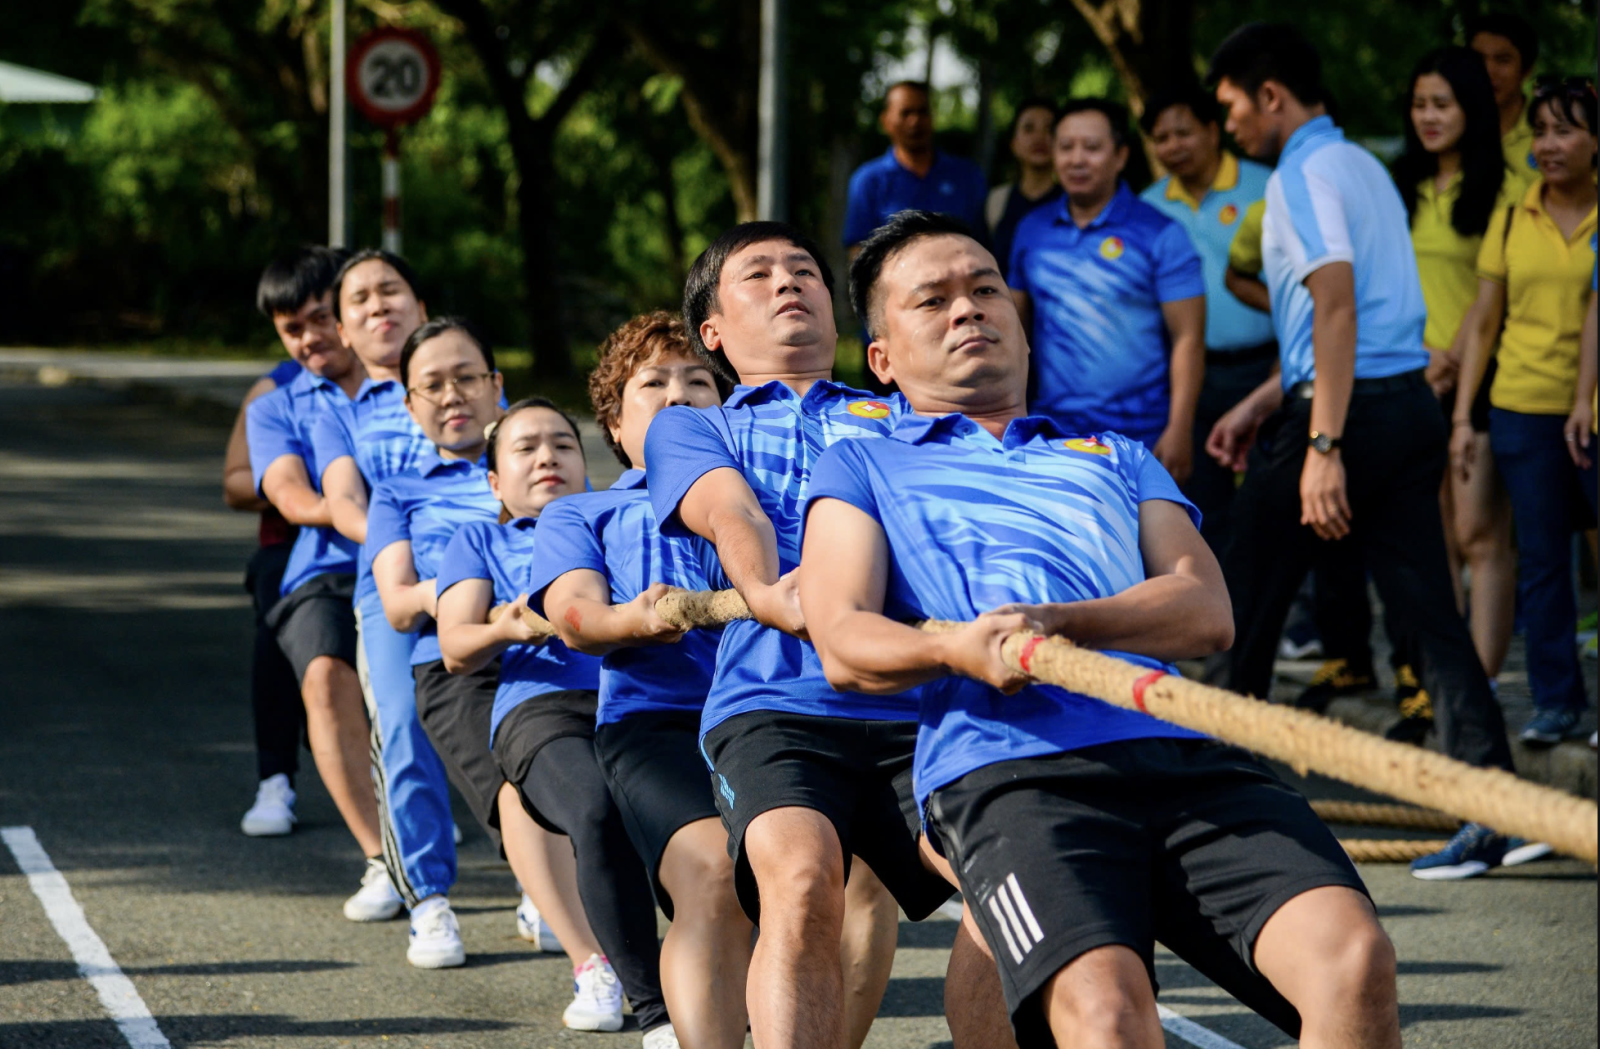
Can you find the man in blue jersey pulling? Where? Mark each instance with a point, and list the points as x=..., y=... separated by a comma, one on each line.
x=1081, y=833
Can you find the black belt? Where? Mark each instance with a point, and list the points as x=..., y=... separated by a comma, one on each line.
x=1243, y=355
x=1404, y=382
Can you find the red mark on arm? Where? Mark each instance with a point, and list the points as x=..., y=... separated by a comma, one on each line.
x=574, y=619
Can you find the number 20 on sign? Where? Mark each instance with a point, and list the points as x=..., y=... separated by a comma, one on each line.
x=392, y=76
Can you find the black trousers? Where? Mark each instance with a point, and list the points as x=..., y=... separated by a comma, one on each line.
x=1230, y=377
x=1394, y=459
x=279, y=713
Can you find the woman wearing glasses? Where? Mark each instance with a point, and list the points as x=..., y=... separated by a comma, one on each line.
x=1534, y=271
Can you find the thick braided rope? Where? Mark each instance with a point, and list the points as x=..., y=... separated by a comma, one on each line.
x=1369, y=850
x=1366, y=814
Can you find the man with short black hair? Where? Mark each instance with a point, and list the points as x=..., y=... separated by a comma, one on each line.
x=912, y=173
x=1509, y=47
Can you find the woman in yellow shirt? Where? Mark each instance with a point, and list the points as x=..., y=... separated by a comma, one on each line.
x=1450, y=177
x=1534, y=270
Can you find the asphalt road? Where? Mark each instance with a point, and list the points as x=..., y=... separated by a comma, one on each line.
x=125, y=744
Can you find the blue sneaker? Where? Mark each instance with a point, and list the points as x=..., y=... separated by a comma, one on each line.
x=1549, y=727
x=1474, y=850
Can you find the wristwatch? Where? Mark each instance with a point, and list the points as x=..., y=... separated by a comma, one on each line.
x=1323, y=443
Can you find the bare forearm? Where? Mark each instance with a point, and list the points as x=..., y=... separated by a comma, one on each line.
x=348, y=517
x=468, y=647
x=1188, y=372
x=1168, y=617
x=596, y=627
x=406, y=605
x=747, y=547
x=304, y=507
x=1333, y=336
x=1248, y=290
x=239, y=490
x=866, y=652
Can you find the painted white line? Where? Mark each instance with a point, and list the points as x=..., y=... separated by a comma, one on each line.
x=116, y=991
x=1191, y=1032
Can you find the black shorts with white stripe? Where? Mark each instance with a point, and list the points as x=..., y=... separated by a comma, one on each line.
x=1189, y=843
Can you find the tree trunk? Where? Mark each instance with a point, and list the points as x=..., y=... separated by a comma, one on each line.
x=1150, y=42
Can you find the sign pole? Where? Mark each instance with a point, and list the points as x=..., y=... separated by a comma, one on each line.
x=392, y=76
x=772, y=113
x=336, y=129
x=391, y=190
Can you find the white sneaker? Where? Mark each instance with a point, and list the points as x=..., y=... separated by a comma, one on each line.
x=596, y=998
x=435, y=936
x=455, y=832
x=273, y=813
x=531, y=926
x=376, y=901
x=663, y=1037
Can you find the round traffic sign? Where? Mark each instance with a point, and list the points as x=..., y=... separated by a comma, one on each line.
x=392, y=75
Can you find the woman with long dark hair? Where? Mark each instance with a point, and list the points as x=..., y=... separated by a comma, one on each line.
x=1451, y=177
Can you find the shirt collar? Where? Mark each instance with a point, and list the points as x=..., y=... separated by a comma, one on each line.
x=630, y=480
x=433, y=463
x=374, y=388
x=1311, y=132
x=937, y=156
x=917, y=429
x=1533, y=201
x=1114, y=206
x=776, y=391
x=523, y=523
x=1226, y=178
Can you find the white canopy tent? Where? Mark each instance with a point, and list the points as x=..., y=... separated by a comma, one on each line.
x=21, y=84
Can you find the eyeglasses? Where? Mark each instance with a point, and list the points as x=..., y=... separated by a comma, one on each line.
x=468, y=386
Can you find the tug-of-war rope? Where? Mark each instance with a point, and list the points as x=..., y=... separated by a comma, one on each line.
x=1306, y=742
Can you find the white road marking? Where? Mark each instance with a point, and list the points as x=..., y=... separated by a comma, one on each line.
x=117, y=993
x=1174, y=1024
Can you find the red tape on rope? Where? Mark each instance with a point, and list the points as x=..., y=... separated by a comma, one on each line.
x=1027, y=653
x=1144, y=683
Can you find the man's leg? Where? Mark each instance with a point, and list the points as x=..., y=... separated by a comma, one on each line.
x=1482, y=525
x=275, y=702
x=337, y=727
x=1327, y=954
x=866, y=949
x=974, y=1002
x=1103, y=998
x=705, y=958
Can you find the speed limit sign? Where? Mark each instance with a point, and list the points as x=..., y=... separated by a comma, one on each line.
x=392, y=75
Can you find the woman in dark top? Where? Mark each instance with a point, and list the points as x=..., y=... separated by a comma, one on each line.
x=1032, y=132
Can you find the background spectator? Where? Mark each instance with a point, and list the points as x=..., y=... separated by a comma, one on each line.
x=1509, y=48
x=1031, y=138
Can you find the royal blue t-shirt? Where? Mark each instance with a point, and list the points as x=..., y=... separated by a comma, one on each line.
x=426, y=506
x=1101, y=353
x=974, y=523
x=881, y=188
x=614, y=533
x=503, y=554
x=284, y=372
x=773, y=436
x=281, y=423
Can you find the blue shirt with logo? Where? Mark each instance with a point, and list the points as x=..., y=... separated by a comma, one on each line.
x=1331, y=201
x=425, y=506
x=974, y=523
x=281, y=423
x=504, y=555
x=614, y=533
x=1100, y=345
x=1230, y=324
x=882, y=187
x=773, y=436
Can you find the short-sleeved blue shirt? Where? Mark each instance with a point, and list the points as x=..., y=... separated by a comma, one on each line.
x=773, y=436
x=375, y=429
x=614, y=533
x=284, y=372
x=1331, y=201
x=281, y=423
x=504, y=555
x=1230, y=324
x=974, y=523
x=425, y=506
x=1101, y=353
x=882, y=187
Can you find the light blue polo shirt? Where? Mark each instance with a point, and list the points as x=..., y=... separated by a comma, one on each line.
x=1230, y=324
x=882, y=187
x=503, y=554
x=1101, y=353
x=773, y=436
x=974, y=523
x=1331, y=201
x=425, y=506
x=614, y=533
x=281, y=423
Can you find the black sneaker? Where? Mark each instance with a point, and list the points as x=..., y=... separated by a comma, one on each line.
x=1416, y=710
x=1333, y=679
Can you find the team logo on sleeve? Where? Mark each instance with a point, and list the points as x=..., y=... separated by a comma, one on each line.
x=1091, y=445
x=1228, y=214
x=1111, y=248
x=869, y=409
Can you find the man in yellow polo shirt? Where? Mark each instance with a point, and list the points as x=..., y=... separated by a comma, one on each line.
x=1509, y=48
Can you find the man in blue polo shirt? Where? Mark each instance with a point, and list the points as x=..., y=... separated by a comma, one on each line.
x=912, y=174
x=1082, y=833
x=1358, y=445
x=1207, y=191
x=806, y=777
x=1114, y=295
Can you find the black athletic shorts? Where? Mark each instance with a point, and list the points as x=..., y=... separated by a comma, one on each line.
x=533, y=723
x=454, y=710
x=315, y=619
x=652, y=763
x=856, y=773
x=1191, y=843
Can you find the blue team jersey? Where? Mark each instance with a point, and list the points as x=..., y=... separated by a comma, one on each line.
x=1211, y=223
x=375, y=430
x=281, y=423
x=504, y=555
x=425, y=506
x=974, y=523
x=1100, y=346
x=284, y=372
x=773, y=436
x=881, y=188
x=1331, y=201
x=614, y=533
